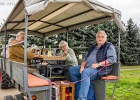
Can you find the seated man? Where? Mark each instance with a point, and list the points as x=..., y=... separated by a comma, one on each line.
x=16, y=52
x=99, y=55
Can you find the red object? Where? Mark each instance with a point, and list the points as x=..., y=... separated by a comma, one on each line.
x=67, y=92
x=34, y=81
x=34, y=97
x=110, y=77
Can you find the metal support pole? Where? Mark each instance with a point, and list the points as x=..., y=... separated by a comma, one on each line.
x=113, y=91
x=5, y=36
x=44, y=46
x=118, y=62
x=25, y=38
x=67, y=35
x=119, y=45
x=25, y=82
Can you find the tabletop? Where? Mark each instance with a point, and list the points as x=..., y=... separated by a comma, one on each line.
x=53, y=57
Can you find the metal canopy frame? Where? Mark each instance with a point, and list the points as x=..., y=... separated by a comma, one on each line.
x=58, y=16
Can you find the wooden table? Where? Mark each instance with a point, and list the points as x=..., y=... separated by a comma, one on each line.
x=58, y=58
x=51, y=58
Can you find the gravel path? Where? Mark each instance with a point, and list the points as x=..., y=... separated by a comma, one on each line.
x=11, y=91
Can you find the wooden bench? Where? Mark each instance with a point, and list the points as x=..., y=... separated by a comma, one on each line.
x=30, y=84
x=100, y=85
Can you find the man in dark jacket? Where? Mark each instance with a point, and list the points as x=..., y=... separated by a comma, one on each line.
x=99, y=55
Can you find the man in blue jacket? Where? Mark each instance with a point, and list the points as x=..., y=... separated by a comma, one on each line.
x=99, y=55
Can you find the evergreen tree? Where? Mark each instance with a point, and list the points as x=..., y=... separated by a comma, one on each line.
x=80, y=39
x=138, y=45
x=132, y=37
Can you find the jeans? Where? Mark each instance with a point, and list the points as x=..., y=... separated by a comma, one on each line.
x=82, y=87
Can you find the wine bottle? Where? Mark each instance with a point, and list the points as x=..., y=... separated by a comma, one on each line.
x=49, y=51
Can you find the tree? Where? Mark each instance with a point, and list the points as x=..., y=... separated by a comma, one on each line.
x=132, y=37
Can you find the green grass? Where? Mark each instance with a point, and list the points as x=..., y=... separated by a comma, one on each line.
x=128, y=87
x=128, y=67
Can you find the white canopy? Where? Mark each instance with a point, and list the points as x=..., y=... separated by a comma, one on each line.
x=47, y=17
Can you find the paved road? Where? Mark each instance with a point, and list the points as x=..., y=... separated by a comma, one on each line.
x=4, y=92
x=11, y=91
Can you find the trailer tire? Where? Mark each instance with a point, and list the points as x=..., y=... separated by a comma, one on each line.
x=18, y=97
x=4, y=84
x=8, y=97
x=6, y=81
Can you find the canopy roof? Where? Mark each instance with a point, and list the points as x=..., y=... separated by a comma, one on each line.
x=47, y=17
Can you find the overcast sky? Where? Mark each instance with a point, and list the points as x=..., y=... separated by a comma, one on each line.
x=129, y=8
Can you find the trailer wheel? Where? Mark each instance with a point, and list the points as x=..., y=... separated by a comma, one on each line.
x=8, y=97
x=4, y=84
x=18, y=97
x=6, y=81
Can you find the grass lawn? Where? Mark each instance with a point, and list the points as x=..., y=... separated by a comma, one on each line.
x=128, y=87
x=129, y=67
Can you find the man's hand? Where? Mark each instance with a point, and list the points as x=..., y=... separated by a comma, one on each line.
x=38, y=56
x=95, y=65
x=65, y=52
x=82, y=66
x=81, y=69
